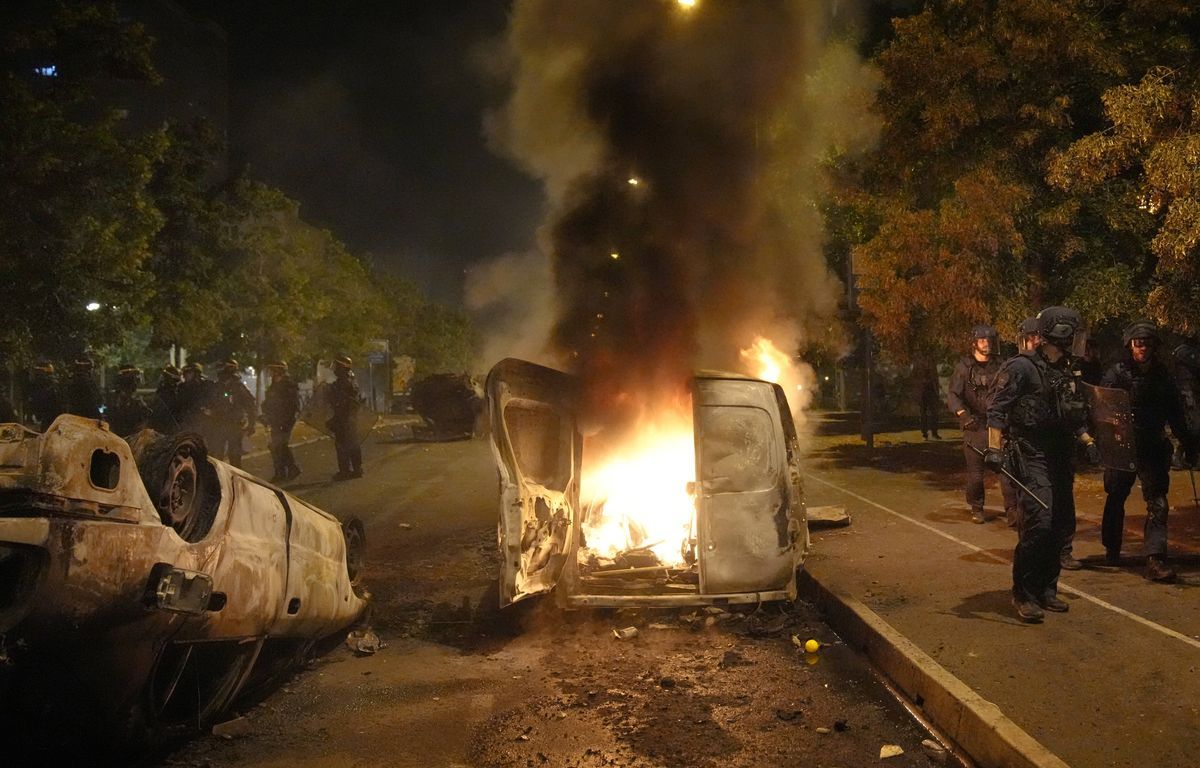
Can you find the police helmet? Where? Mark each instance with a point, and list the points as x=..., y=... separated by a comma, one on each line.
x=983, y=332
x=343, y=361
x=1140, y=329
x=193, y=368
x=129, y=371
x=1058, y=325
x=229, y=365
x=1030, y=326
x=172, y=373
x=84, y=363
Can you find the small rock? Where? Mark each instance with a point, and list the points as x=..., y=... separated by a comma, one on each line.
x=712, y=610
x=406, y=526
x=711, y=620
x=734, y=659
x=666, y=682
x=890, y=750
x=789, y=715
x=840, y=726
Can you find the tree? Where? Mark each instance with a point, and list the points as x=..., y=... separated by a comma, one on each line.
x=977, y=97
x=439, y=339
x=1141, y=174
x=76, y=222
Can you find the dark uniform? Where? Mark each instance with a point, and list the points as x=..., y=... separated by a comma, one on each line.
x=1155, y=403
x=83, y=393
x=968, y=399
x=280, y=406
x=234, y=411
x=1035, y=405
x=1186, y=361
x=343, y=401
x=126, y=412
x=165, y=411
x=44, y=400
x=194, y=402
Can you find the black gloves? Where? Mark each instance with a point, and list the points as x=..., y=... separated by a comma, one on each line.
x=993, y=459
x=1092, y=451
x=968, y=421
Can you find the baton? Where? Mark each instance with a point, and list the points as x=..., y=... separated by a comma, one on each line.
x=1192, y=474
x=1018, y=483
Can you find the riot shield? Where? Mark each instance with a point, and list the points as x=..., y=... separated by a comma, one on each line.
x=317, y=413
x=1111, y=424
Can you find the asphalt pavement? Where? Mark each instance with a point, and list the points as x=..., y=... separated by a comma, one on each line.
x=1113, y=682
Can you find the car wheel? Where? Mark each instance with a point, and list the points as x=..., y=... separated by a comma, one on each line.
x=182, y=484
x=356, y=546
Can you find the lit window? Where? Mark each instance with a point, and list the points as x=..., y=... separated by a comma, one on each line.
x=47, y=71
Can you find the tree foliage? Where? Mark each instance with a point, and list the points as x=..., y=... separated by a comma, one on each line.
x=135, y=225
x=977, y=99
x=1143, y=170
x=76, y=219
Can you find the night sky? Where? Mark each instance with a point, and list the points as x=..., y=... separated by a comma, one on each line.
x=370, y=114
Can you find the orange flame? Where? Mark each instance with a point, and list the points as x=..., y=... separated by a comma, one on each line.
x=636, y=493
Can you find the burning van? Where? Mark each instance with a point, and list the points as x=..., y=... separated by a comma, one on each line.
x=143, y=585
x=705, y=508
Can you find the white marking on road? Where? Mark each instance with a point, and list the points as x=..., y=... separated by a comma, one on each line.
x=1062, y=585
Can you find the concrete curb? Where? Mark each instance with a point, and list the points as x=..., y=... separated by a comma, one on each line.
x=976, y=725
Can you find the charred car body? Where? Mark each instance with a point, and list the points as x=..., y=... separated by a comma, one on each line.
x=143, y=586
x=750, y=530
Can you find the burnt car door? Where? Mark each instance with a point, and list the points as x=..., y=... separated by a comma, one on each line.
x=538, y=452
x=747, y=528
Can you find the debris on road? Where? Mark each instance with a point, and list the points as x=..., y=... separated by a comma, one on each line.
x=822, y=729
x=364, y=642
x=406, y=526
x=890, y=750
x=789, y=715
x=827, y=517
x=628, y=633
x=936, y=752
x=238, y=726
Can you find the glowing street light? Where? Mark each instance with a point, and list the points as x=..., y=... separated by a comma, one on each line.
x=92, y=306
x=615, y=255
x=634, y=181
x=686, y=5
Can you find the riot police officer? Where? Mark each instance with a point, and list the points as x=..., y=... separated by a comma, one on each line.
x=1028, y=336
x=194, y=400
x=45, y=401
x=1186, y=360
x=127, y=413
x=1155, y=403
x=165, y=412
x=343, y=401
x=233, y=410
x=968, y=400
x=1035, y=417
x=280, y=406
x=83, y=393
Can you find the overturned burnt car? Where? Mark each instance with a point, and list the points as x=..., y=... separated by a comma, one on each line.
x=144, y=585
x=744, y=534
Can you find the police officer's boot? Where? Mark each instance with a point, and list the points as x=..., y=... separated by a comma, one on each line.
x=977, y=515
x=1068, y=562
x=1158, y=570
x=1029, y=611
x=1012, y=516
x=1054, y=603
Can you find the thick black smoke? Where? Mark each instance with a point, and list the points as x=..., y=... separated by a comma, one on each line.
x=680, y=148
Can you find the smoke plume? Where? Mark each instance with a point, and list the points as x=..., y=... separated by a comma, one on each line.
x=681, y=150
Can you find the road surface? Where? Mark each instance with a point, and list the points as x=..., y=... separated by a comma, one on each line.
x=461, y=684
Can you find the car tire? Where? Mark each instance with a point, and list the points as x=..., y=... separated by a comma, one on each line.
x=181, y=483
x=356, y=546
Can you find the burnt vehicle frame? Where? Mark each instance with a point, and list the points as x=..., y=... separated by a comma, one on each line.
x=145, y=586
x=751, y=527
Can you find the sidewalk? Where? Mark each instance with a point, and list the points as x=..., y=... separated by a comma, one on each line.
x=1114, y=682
